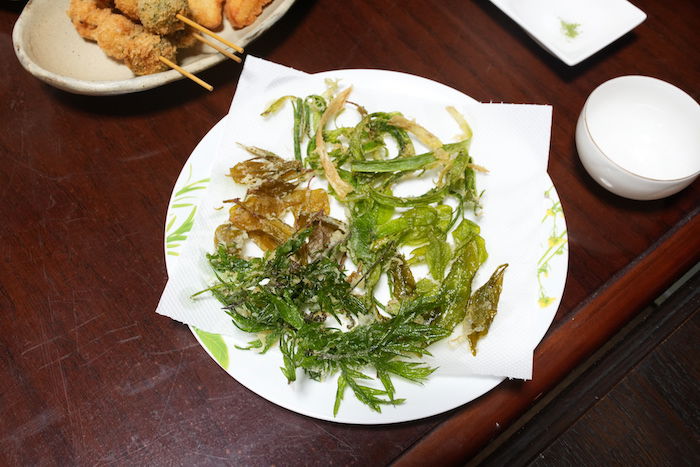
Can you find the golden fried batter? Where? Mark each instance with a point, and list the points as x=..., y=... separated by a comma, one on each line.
x=208, y=13
x=130, y=8
x=159, y=16
x=272, y=193
x=120, y=38
x=183, y=39
x=242, y=13
x=85, y=16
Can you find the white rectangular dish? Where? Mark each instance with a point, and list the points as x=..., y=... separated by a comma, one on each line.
x=573, y=30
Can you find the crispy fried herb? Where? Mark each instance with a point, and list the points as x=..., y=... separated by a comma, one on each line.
x=299, y=295
x=483, y=306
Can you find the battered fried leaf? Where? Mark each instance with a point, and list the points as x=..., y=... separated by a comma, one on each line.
x=341, y=187
x=268, y=173
x=299, y=294
x=424, y=136
x=285, y=309
x=277, y=105
x=399, y=164
x=414, y=226
x=305, y=203
x=456, y=288
x=286, y=306
x=482, y=307
x=434, y=195
x=426, y=226
x=273, y=192
x=437, y=255
x=230, y=237
x=401, y=281
x=464, y=232
x=275, y=231
x=368, y=254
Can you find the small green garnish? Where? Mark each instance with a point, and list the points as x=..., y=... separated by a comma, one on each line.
x=570, y=30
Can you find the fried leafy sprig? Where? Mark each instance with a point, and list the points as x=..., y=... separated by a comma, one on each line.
x=286, y=300
x=299, y=295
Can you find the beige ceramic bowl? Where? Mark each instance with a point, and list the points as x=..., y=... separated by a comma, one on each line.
x=48, y=46
x=639, y=137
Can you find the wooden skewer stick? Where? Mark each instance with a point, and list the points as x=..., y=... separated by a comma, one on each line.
x=221, y=50
x=208, y=32
x=186, y=73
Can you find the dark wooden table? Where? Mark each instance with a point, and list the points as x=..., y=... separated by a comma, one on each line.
x=89, y=374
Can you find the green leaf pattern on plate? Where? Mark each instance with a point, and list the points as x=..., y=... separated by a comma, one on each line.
x=556, y=244
x=216, y=346
x=182, y=206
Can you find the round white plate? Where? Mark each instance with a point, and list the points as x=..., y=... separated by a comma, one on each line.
x=261, y=374
x=48, y=46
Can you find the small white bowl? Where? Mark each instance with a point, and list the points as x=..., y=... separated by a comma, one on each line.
x=639, y=137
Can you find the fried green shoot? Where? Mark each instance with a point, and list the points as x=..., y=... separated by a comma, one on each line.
x=302, y=296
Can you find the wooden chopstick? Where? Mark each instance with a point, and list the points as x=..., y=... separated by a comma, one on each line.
x=201, y=28
x=221, y=50
x=186, y=73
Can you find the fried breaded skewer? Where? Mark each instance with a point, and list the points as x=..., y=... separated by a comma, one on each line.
x=169, y=16
x=242, y=13
x=130, y=8
x=157, y=16
x=208, y=13
x=182, y=38
x=120, y=38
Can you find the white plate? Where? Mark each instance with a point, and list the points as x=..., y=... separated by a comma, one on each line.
x=48, y=46
x=260, y=373
x=596, y=24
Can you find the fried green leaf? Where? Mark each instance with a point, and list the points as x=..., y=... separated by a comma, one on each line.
x=483, y=306
x=456, y=288
x=299, y=295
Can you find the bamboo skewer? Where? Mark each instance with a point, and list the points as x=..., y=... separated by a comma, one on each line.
x=186, y=73
x=202, y=39
x=221, y=50
x=209, y=33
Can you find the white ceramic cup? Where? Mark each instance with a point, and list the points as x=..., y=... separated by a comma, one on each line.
x=639, y=137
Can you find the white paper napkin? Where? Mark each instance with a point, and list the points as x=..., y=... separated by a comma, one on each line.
x=511, y=140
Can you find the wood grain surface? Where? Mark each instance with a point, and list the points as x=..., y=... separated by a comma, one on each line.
x=634, y=402
x=89, y=374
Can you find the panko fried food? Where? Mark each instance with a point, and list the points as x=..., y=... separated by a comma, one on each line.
x=121, y=38
x=140, y=32
x=182, y=38
x=208, y=13
x=242, y=13
x=130, y=8
x=159, y=16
